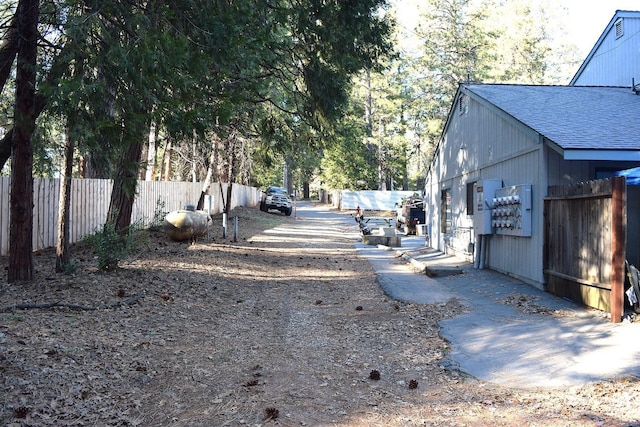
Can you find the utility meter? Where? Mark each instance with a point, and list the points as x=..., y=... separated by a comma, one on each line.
x=485, y=192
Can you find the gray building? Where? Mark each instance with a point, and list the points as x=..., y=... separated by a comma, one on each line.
x=532, y=136
x=518, y=180
x=615, y=58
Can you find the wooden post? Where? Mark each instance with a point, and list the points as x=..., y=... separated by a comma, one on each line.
x=224, y=225
x=618, y=245
x=235, y=228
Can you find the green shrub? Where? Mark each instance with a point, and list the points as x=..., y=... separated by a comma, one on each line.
x=159, y=214
x=112, y=247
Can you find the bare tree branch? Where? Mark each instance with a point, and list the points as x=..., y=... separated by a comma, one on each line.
x=8, y=52
x=28, y=306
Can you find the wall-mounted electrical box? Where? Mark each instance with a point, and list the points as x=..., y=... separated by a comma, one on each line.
x=511, y=213
x=483, y=198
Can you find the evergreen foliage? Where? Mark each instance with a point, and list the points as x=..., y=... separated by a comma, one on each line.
x=278, y=73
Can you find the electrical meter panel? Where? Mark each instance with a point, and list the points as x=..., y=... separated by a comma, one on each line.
x=483, y=195
x=511, y=213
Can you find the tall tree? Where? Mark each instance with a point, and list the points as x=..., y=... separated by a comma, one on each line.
x=332, y=42
x=350, y=163
x=168, y=63
x=458, y=47
x=63, y=257
x=377, y=103
x=482, y=41
x=21, y=223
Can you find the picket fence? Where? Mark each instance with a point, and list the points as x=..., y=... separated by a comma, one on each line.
x=90, y=203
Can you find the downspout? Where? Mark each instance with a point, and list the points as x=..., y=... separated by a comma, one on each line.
x=543, y=179
x=483, y=251
x=477, y=249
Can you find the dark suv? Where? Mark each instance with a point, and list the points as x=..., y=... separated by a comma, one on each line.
x=276, y=198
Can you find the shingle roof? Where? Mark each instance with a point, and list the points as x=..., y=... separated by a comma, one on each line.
x=573, y=117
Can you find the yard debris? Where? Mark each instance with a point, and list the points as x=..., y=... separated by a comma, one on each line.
x=251, y=383
x=374, y=375
x=60, y=304
x=21, y=412
x=271, y=414
x=524, y=304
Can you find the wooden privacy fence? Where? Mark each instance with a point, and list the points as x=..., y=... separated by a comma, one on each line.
x=585, y=243
x=90, y=203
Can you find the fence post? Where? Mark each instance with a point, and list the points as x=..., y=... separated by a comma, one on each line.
x=235, y=228
x=224, y=225
x=618, y=245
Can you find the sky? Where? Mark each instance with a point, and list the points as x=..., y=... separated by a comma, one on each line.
x=586, y=19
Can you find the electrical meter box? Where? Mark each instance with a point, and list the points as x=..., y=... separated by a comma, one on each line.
x=511, y=213
x=485, y=192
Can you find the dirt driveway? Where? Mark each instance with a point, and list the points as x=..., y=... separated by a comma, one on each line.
x=287, y=326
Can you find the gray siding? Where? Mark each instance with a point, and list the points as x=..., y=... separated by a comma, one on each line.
x=480, y=144
x=521, y=256
x=616, y=61
x=563, y=172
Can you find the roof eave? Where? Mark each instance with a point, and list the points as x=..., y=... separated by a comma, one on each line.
x=606, y=155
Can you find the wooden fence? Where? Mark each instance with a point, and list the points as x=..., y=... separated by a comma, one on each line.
x=585, y=243
x=90, y=202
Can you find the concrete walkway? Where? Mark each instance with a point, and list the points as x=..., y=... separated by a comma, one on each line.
x=496, y=341
x=563, y=344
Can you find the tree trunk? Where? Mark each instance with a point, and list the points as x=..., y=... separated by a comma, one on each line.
x=166, y=161
x=224, y=203
x=382, y=181
x=125, y=180
x=207, y=182
x=227, y=207
x=306, y=194
x=62, y=244
x=244, y=162
x=6, y=145
x=194, y=164
x=232, y=161
x=219, y=163
x=285, y=174
x=124, y=189
x=8, y=52
x=368, y=112
x=57, y=69
x=151, y=153
x=21, y=211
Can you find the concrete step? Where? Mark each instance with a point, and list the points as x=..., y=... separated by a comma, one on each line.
x=442, y=270
x=372, y=239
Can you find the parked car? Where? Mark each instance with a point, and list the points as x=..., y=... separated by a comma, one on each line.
x=276, y=198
